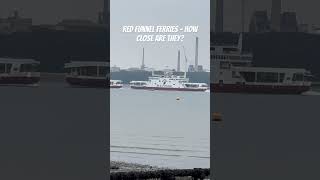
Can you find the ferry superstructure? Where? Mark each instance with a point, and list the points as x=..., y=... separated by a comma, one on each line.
x=116, y=84
x=232, y=72
x=168, y=82
x=19, y=71
x=87, y=74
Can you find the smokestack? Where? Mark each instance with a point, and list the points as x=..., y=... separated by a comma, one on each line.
x=243, y=8
x=106, y=11
x=178, y=65
x=142, y=65
x=276, y=15
x=219, y=16
x=212, y=15
x=196, y=54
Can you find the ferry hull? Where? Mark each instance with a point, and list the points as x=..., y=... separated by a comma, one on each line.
x=258, y=89
x=168, y=89
x=19, y=80
x=98, y=83
x=115, y=87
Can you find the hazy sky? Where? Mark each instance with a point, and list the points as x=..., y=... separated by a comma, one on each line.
x=169, y=11
x=126, y=52
x=51, y=11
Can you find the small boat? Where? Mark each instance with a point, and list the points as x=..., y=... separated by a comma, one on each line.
x=19, y=71
x=87, y=74
x=168, y=82
x=116, y=84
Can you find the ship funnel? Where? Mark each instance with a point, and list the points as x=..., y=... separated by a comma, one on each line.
x=178, y=65
x=196, y=55
x=142, y=65
x=240, y=42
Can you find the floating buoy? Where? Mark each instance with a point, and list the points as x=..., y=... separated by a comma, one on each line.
x=217, y=120
x=217, y=117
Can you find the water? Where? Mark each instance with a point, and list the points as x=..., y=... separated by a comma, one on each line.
x=267, y=136
x=52, y=132
x=154, y=128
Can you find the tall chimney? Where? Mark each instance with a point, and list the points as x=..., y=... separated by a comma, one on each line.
x=142, y=65
x=196, y=55
x=178, y=65
x=219, y=16
x=276, y=15
x=243, y=8
x=212, y=15
x=106, y=12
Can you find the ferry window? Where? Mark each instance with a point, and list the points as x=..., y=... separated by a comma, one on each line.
x=2, y=68
x=297, y=77
x=9, y=66
x=224, y=65
x=249, y=76
x=102, y=71
x=267, y=77
x=89, y=71
x=281, y=77
x=234, y=57
x=220, y=82
x=308, y=78
x=30, y=68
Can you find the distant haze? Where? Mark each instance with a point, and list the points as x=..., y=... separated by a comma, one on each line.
x=51, y=11
x=126, y=52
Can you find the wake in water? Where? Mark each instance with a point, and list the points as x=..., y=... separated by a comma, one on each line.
x=311, y=93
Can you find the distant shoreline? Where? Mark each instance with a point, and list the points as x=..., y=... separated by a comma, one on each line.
x=119, y=166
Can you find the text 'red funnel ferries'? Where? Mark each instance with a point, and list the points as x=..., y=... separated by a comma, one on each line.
x=232, y=71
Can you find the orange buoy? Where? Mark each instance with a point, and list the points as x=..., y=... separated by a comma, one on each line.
x=217, y=117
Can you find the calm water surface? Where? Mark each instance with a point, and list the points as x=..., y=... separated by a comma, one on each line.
x=153, y=127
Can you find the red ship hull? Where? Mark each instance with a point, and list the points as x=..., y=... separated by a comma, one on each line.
x=19, y=80
x=168, y=89
x=115, y=87
x=262, y=89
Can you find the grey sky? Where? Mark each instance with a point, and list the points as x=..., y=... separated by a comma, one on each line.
x=126, y=52
x=51, y=11
x=307, y=11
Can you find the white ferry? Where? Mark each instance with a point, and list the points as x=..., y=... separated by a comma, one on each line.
x=168, y=82
x=87, y=74
x=116, y=84
x=232, y=71
x=19, y=71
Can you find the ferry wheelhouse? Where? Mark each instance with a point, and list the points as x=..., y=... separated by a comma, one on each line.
x=19, y=71
x=116, y=84
x=168, y=82
x=232, y=71
x=87, y=74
